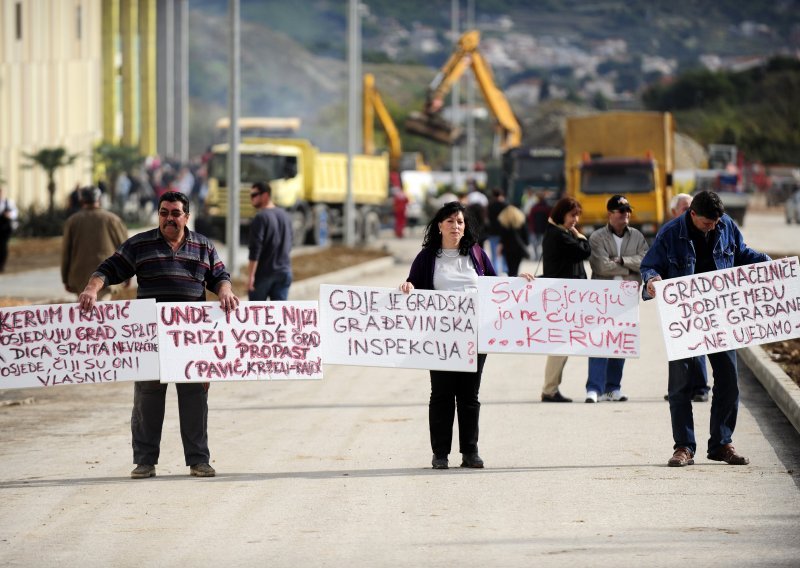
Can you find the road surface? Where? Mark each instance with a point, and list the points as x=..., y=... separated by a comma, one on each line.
x=337, y=473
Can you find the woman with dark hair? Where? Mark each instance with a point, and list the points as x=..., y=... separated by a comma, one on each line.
x=450, y=259
x=564, y=249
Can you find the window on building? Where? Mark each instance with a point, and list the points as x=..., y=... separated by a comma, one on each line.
x=18, y=19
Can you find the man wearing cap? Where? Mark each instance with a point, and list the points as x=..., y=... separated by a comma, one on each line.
x=90, y=236
x=617, y=252
x=703, y=239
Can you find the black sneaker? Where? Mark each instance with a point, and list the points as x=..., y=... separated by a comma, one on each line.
x=439, y=462
x=472, y=460
x=558, y=397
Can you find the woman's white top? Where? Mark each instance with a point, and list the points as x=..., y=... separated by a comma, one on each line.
x=454, y=272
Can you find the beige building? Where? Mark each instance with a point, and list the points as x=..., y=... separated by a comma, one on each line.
x=76, y=72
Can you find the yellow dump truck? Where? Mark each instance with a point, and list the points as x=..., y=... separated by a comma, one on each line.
x=629, y=153
x=310, y=184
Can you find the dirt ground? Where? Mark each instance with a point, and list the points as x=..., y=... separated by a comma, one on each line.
x=32, y=254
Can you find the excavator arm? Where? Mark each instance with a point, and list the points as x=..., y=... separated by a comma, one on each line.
x=430, y=124
x=373, y=105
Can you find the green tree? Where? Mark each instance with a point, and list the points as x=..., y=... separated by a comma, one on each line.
x=114, y=159
x=50, y=160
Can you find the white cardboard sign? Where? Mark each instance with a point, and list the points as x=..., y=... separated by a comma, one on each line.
x=56, y=344
x=730, y=308
x=257, y=341
x=557, y=316
x=383, y=327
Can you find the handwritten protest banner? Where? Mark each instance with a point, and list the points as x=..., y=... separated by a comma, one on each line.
x=257, y=341
x=559, y=317
x=383, y=327
x=56, y=344
x=730, y=308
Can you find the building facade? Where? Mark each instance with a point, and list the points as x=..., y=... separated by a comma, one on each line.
x=74, y=73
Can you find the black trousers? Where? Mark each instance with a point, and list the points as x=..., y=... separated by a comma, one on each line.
x=147, y=420
x=451, y=391
x=4, y=238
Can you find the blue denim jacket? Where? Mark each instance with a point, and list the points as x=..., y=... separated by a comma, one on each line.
x=672, y=254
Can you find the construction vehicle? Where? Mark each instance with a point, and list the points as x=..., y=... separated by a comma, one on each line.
x=403, y=166
x=628, y=153
x=539, y=169
x=311, y=185
x=430, y=124
x=258, y=127
x=723, y=177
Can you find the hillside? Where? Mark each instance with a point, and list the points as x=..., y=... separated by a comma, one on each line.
x=600, y=55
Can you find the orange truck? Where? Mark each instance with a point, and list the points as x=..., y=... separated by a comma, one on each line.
x=628, y=153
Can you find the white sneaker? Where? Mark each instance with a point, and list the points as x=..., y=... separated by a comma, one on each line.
x=591, y=396
x=614, y=396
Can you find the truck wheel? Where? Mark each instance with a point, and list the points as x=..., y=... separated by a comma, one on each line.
x=300, y=219
x=320, y=227
x=371, y=227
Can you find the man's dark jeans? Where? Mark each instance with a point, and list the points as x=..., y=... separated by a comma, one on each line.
x=147, y=420
x=274, y=287
x=724, y=401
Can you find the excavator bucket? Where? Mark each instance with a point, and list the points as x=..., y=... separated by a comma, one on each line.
x=434, y=127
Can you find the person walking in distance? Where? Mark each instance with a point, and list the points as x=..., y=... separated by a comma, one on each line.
x=697, y=366
x=513, y=238
x=270, y=244
x=703, y=239
x=537, y=224
x=564, y=249
x=617, y=252
x=8, y=222
x=496, y=205
x=90, y=236
x=172, y=264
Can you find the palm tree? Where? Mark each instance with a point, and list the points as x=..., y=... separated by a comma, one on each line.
x=50, y=160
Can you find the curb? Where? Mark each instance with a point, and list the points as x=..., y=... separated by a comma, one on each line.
x=777, y=383
x=309, y=288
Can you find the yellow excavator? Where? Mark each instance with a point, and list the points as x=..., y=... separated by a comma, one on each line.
x=430, y=124
x=373, y=107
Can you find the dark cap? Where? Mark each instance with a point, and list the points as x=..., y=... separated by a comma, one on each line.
x=89, y=194
x=618, y=203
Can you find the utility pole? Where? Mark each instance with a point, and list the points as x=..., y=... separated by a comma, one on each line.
x=353, y=115
x=233, y=139
x=456, y=98
x=471, y=141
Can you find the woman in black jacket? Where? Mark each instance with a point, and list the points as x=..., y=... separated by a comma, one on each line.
x=564, y=249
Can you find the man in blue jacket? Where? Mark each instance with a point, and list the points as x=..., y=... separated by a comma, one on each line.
x=703, y=239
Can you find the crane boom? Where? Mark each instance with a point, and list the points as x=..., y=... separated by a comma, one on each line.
x=373, y=105
x=466, y=55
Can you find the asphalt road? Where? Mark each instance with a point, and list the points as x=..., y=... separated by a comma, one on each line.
x=337, y=473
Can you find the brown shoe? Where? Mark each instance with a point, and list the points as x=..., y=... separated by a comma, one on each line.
x=727, y=454
x=143, y=471
x=681, y=457
x=202, y=470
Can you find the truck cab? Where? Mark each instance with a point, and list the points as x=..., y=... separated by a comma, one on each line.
x=636, y=179
x=280, y=165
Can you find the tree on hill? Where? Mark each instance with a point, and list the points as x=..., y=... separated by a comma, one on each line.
x=755, y=109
